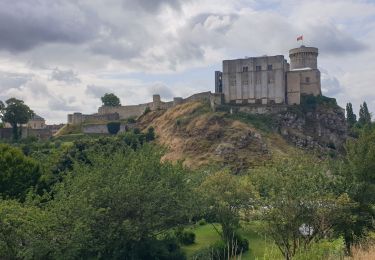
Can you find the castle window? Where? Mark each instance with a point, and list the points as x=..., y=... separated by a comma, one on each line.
x=307, y=79
x=269, y=67
x=245, y=69
x=258, y=68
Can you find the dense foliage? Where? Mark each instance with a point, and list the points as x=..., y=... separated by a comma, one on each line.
x=114, y=197
x=15, y=112
x=111, y=100
x=18, y=173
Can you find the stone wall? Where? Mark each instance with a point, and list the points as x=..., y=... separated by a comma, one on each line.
x=79, y=118
x=102, y=128
x=7, y=134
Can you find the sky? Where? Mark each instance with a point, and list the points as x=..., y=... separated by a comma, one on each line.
x=61, y=56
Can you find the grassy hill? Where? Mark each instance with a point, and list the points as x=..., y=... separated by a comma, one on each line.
x=197, y=136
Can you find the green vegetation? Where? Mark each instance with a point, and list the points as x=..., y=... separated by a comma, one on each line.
x=18, y=173
x=351, y=118
x=111, y=100
x=266, y=123
x=113, y=127
x=16, y=113
x=116, y=197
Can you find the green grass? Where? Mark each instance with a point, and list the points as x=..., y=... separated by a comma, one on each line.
x=204, y=237
x=259, y=246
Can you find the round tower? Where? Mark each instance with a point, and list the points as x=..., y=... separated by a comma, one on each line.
x=303, y=57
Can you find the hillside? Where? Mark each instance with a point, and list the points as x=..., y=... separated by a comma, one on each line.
x=197, y=136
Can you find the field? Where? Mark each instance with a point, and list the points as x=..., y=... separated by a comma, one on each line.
x=260, y=247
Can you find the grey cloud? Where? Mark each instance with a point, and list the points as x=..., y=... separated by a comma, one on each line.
x=331, y=86
x=60, y=104
x=68, y=76
x=333, y=41
x=13, y=80
x=162, y=90
x=153, y=5
x=116, y=49
x=95, y=91
x=26, y=24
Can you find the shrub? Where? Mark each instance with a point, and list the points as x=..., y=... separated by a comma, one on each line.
x=202, y=222
x=150, y=135
x=147, y=110
x=113, y=127
x=131, y=120
x=185, y=237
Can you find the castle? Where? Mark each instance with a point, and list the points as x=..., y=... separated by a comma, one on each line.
x=270, y=79
x=264, y=84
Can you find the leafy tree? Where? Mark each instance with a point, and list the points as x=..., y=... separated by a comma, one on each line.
x=364, y=115
x=150, y=135
x=18, y=173
x=24, y=231
x=15, y=113
x=226, y=195
x=351, y=118
x=297, y=202
x=358, y=172
x=111, y=100
x=129, y=197
x=113, y=127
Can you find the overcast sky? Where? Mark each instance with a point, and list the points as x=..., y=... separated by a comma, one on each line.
x=61, y=56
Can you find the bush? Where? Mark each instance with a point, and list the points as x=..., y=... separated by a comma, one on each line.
x=185, y=237
x=131, y=120
x=202, y=222
x=147, y=110
x=113, y=127
x=150, y=135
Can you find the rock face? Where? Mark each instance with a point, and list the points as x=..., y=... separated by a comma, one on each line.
x=320, y=128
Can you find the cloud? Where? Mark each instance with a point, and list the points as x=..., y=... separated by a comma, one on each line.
x=96, y=91
x=162, y=90
x=67, y=76
x=333, y=41
x=27, y=24
x=331, y=86
x=61, y=104
x=10, y=80
x=152, y=5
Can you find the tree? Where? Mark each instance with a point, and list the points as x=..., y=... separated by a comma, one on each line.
x=150, y=135
x=226, y=195
x=111, y=100
x=351, y=118
x=18, y=173
x=15, y=113
x=364, y=115
x=113, y=127
x=297, y=202
x=122, y=202
x=358, y=172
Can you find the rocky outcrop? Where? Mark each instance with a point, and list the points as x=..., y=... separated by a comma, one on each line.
x=323, y=127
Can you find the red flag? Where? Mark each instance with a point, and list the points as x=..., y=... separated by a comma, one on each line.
x=300, y=38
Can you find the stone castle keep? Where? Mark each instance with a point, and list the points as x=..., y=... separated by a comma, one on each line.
x=270, y=79
x=265, y=84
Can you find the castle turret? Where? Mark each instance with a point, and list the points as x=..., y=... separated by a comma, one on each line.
x=303, y=57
